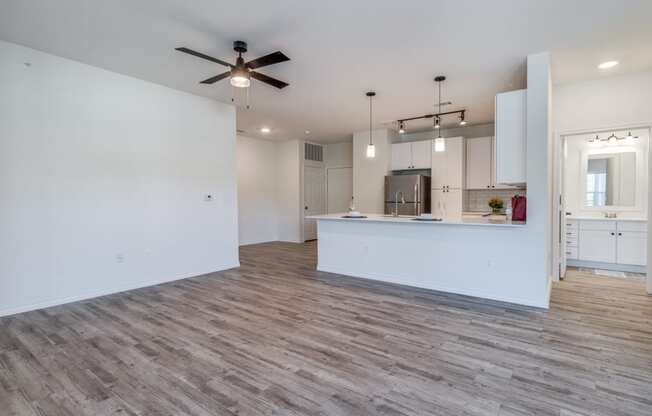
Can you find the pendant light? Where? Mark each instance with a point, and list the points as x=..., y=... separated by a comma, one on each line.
x=371, y=149
x=462, y=121
x=440, y=143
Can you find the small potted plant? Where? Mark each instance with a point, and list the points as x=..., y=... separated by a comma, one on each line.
x=496, y=205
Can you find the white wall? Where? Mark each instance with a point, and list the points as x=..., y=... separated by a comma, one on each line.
x=337, y=155
x=257, y=190
x=102, y=182
x=290, y=190
x=606, y=103
x=539, y=172
x=369, y=174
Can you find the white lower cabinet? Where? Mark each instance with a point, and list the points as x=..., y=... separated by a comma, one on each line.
x=612, y=242
x=598, y=245
x=631, y=248
x=447, y=203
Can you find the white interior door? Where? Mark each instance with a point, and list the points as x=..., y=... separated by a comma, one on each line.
x=339, y=189
x=314, y=191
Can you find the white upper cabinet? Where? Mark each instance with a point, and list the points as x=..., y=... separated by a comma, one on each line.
x=511, y=134
x=421, y=154
x=401, y=156
x=478, y=163
x=413, y=155
x=448, y=167
x=481, y=164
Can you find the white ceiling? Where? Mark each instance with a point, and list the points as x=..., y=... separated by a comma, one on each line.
x=340, y=49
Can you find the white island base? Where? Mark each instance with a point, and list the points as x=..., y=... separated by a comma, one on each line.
x=474, y=258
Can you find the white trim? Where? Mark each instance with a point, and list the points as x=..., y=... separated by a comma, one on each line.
x=402, y=281
x=607, y=266
x=104, y=292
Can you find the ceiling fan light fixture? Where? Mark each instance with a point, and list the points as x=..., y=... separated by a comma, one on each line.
x=240, y=77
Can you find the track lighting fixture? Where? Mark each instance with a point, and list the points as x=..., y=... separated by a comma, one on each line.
x=371, y=149
x=437, y=122
x=462, y=121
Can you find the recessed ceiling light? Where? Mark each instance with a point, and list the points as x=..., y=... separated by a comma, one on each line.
x=608, y=64
x=265, y=130
x=307, y=131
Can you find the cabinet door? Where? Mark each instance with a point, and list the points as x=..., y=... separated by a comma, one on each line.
x=632, y=248
x=455, y=165
x=421, y=154
x=511, y=137
x=478, y=163
x=453, y=204
x=401, y=156
x=447, y=203
x=598, y=245
x=437, y=203
x=439, y=168
x=494, y=182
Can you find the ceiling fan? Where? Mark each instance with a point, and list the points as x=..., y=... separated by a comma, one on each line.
x=242, y=72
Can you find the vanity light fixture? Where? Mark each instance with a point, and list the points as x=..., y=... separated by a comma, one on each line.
x=612, y=139
x=371, y=149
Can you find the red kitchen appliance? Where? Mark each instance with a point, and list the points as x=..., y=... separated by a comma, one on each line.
x=519, y=208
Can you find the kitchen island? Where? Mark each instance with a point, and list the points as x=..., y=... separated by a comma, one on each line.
x=470, y=256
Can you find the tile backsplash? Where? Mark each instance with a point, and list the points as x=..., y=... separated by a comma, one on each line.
x=476, y=200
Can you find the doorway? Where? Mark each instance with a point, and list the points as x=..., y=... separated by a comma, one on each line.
x=314, y=192
x=602, y=198
x=339, y=189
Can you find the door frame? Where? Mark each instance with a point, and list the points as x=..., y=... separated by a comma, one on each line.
x=329, y=168
x=557, y=159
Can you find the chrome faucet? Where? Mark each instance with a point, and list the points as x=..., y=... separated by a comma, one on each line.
x=396, y=202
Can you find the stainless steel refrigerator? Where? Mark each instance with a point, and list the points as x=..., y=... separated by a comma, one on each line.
x=412, y=192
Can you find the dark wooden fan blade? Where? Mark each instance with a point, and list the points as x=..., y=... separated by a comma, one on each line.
x=268, y=80
x=272, y=58
x=216, y=78
x=201, y=55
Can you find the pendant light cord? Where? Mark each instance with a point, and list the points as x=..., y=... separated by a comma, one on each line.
x=370, y=124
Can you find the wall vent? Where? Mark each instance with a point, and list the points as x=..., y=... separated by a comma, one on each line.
x=314, y=152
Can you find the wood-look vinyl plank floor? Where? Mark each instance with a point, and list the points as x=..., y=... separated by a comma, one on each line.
x=276, y=337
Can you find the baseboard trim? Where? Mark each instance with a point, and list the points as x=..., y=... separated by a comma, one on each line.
x=544, y=304
x=607, y=266
x=48, y=303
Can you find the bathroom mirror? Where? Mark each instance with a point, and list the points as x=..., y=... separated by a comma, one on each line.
x=610, y=180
